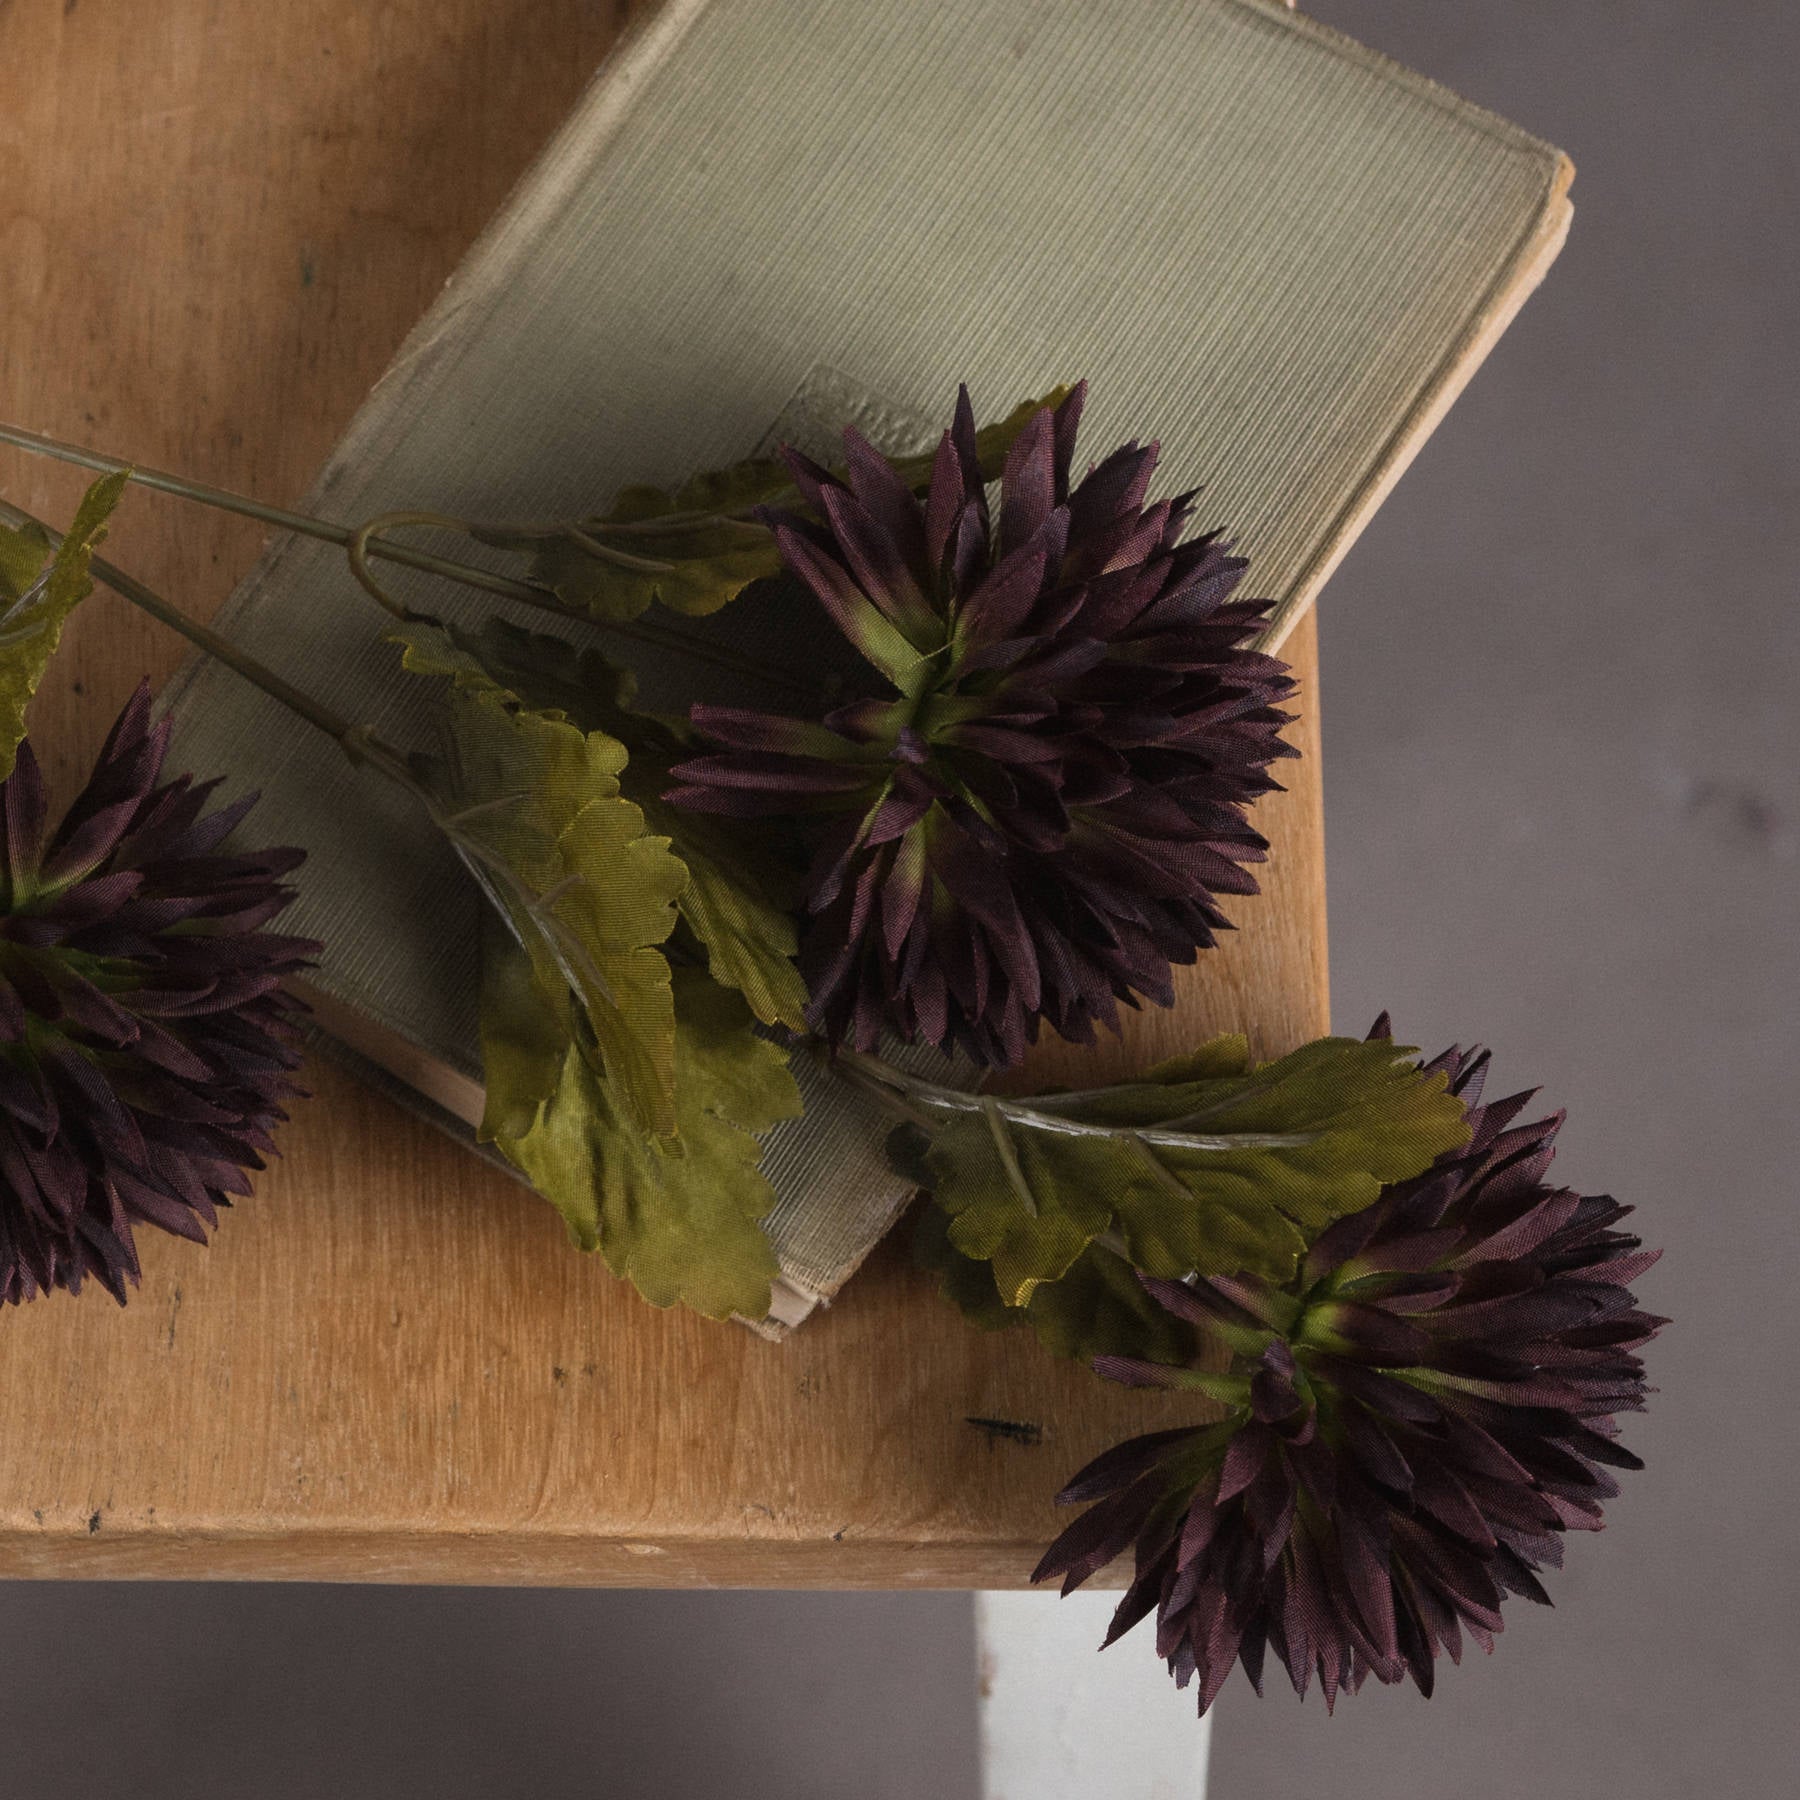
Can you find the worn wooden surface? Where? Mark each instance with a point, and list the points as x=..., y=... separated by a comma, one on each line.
x=218, y=219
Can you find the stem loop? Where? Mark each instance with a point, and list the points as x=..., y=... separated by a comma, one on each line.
x=525, y=593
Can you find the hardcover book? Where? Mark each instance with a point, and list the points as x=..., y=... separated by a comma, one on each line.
x=770, y=218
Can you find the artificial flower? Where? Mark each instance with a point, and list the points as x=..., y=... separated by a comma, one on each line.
x=1034, y=815
x=146, y=1043
x=1414, y=1422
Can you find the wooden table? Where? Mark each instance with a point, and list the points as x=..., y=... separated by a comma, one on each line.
x=219, y=218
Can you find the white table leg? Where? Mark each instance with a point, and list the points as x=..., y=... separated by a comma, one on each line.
x=1061, y=1722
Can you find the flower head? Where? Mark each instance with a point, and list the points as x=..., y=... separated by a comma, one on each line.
x=1035, y=814
x=1415, y=1420
x=145, y=1042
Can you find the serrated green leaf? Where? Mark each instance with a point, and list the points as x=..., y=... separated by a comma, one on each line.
x=25, y=552
x=39, y=590
x=703, y=569
x=696, y=549
x=680, y=1222
x=1026, y=1205
x=968, y=1284
x=1099, y=1308
x=738, y=899
x=534, y=807
x=1218, y=1059
x=1196, y=1169
x=749, y=938
x=525, y=1036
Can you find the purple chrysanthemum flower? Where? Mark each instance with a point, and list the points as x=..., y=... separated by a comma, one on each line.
x=1414, y=1422
x=145, y=1041
x=1034, y=818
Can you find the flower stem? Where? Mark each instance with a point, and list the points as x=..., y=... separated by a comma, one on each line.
x=363, y=542
x=304, y=523
x=910, y=1095
x=358, y=742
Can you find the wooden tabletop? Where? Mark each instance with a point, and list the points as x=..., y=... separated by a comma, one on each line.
x=218, y=220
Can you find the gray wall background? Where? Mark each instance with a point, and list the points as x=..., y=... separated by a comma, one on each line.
x=1564, y=816
x=1562, y=775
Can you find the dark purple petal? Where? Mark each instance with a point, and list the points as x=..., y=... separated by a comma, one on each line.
x=1066, y=423
x=137, y=978
x=1028, y=482
x=889, y=573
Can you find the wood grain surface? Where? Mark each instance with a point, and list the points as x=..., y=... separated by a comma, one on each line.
x=219, y=217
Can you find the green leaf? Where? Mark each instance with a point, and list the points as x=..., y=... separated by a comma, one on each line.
x=696, y=549
x=748, y=936
x=1218, y=1059
x=1195, y=1167
x=525, y=1037
x=39, y=590
x=678, y=1221
x=1099, y=1308
x=24, y=556
x=533, y=805
x=1026, y=1204
x=738, y=901
x=538, y=806
x=965, y=1282
x=700, y=568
